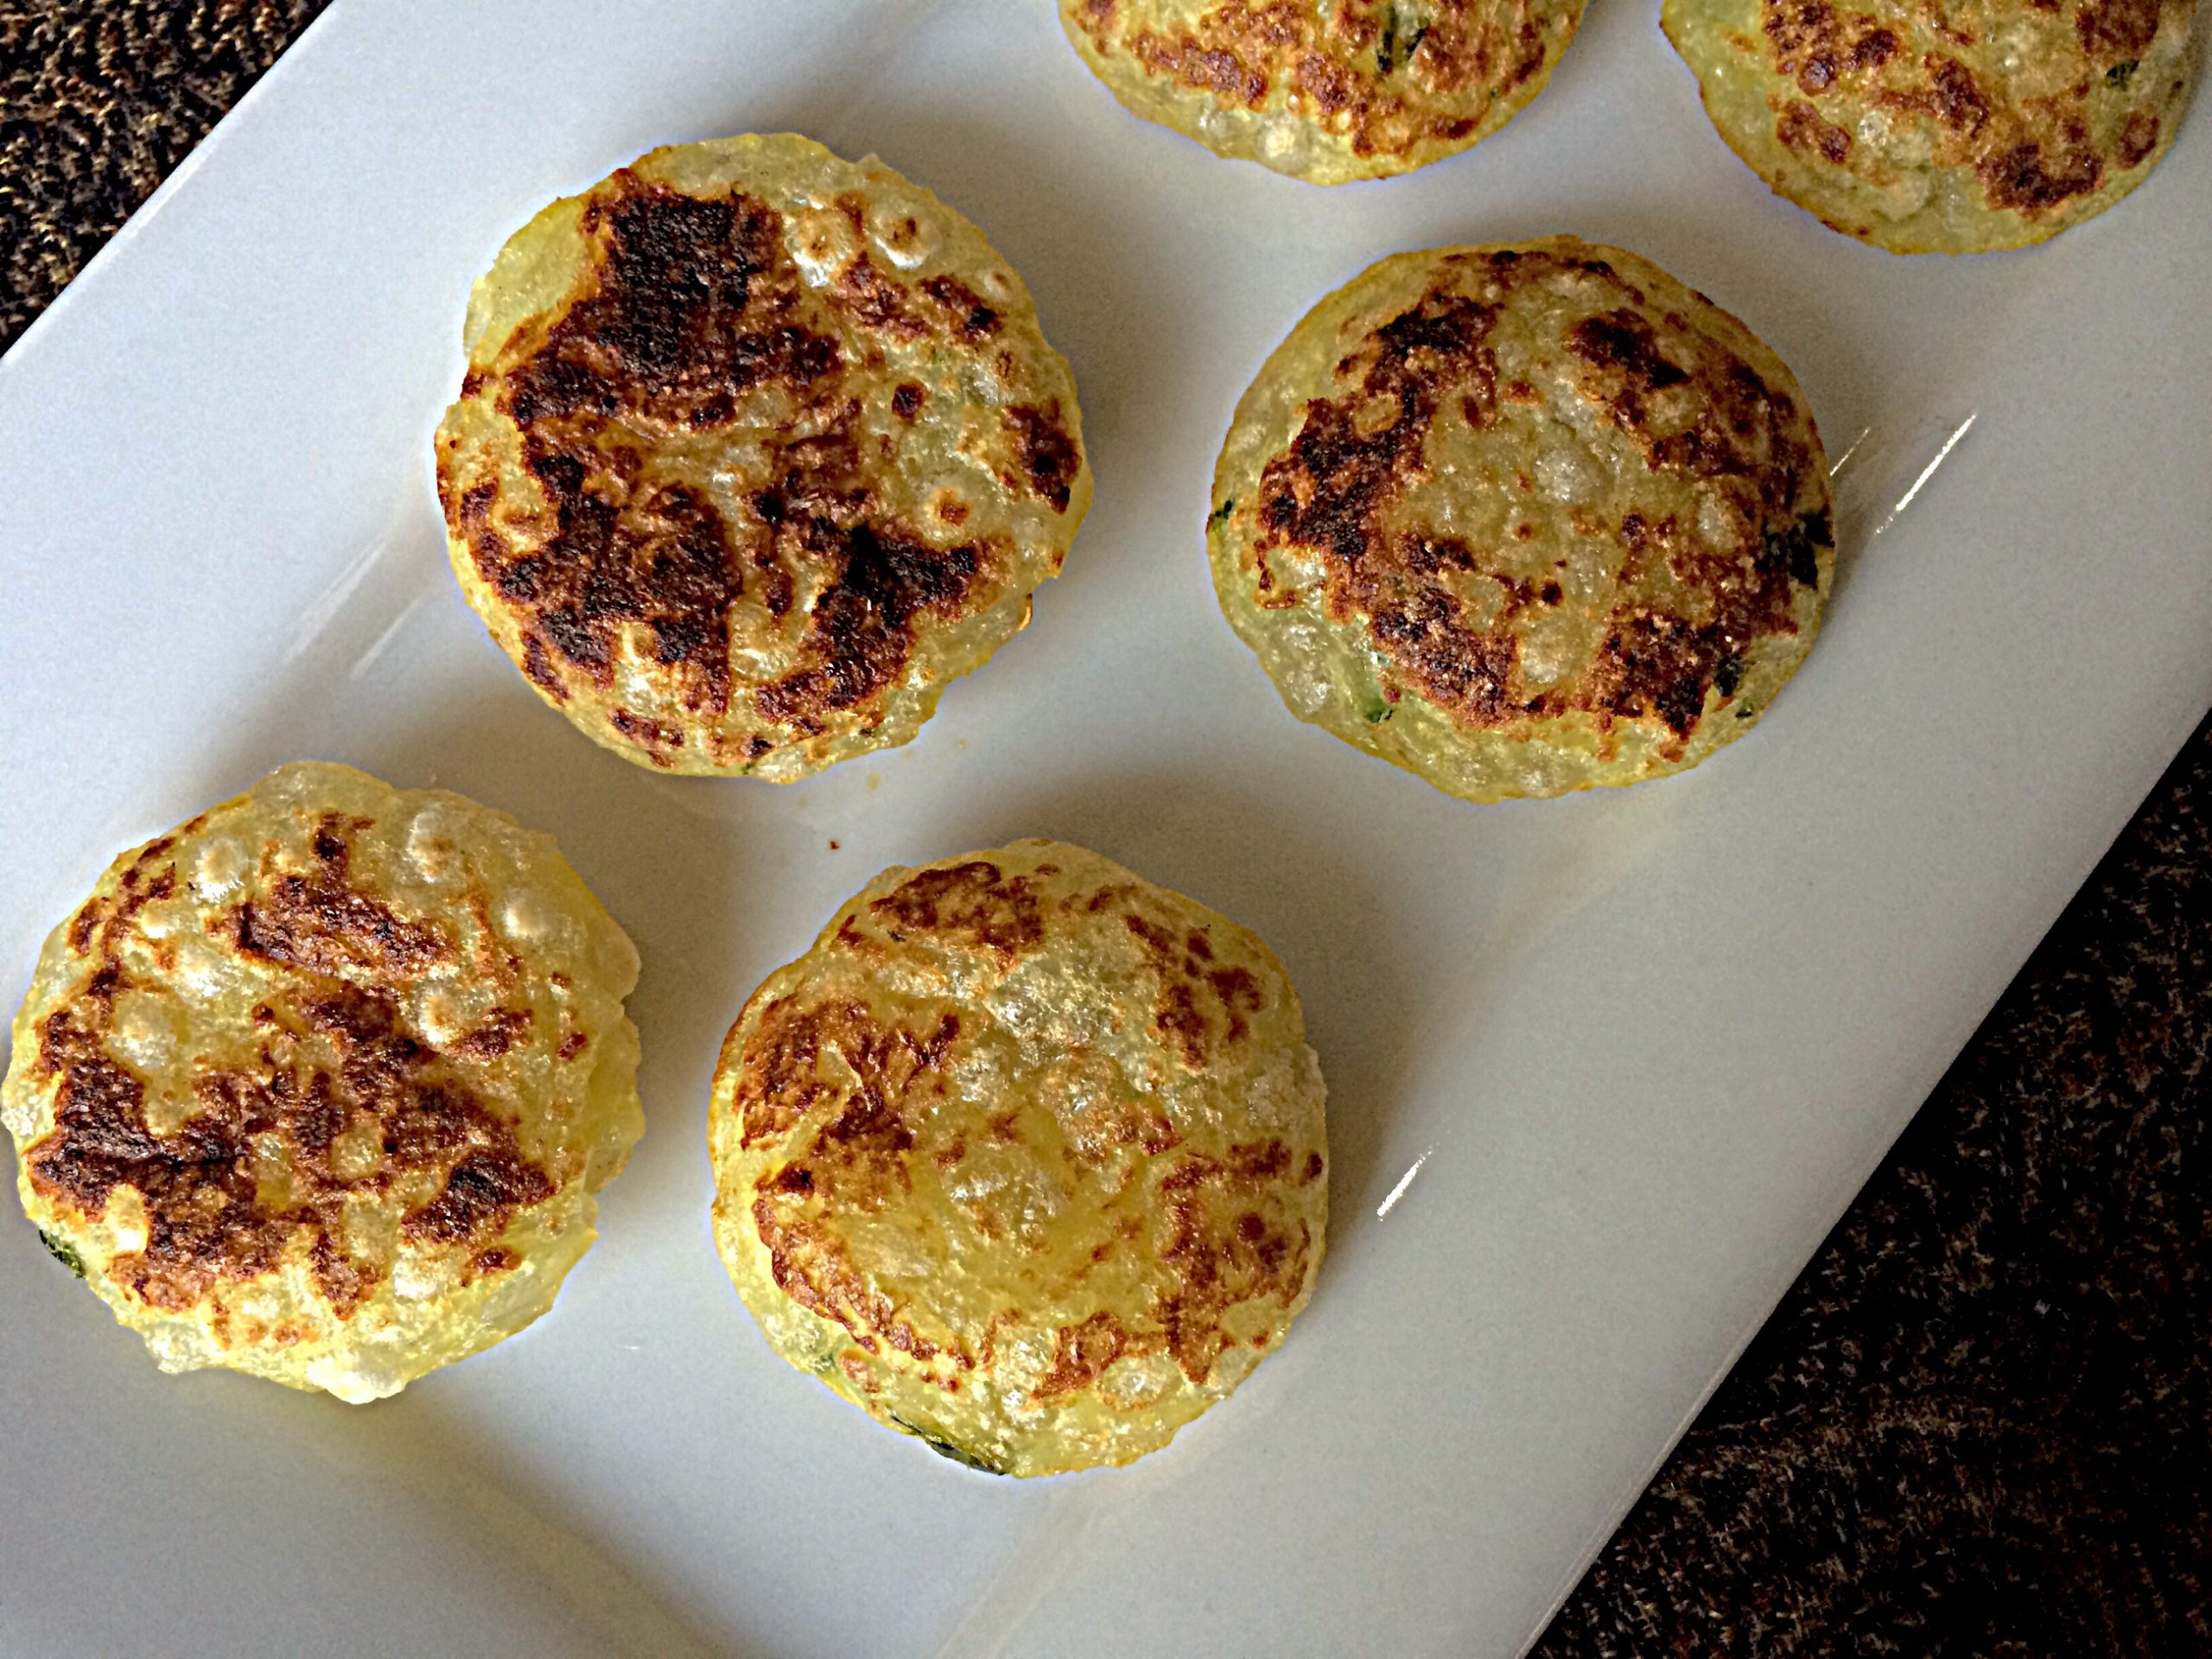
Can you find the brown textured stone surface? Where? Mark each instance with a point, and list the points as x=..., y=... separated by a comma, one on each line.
x=1978, y=1423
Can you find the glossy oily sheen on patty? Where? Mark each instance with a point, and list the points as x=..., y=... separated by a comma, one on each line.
x=1325, y=89
x=320, y=1084
x=1025, y=1157
x=1524, y=519
x=1944, y=128
x=756, y=450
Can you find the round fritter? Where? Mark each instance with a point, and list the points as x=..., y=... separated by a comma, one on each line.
x=1524, y=519
x=757, y=448
x=1025, y=1157
x=1944, y=128
x=319, y=1085
x=1326, y=90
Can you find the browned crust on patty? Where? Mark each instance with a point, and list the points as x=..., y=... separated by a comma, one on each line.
x=334, y=1069
x=1219, y=1233
x=1976, y=125
x=696, y=303
x=1336, y=490
x=630, y=558
x=1389, y=92
x=2034, y=157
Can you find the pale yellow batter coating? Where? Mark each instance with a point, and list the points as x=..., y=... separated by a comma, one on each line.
x=1327, y=90
x=1949, y=126
x=757, y=449
x=1524, y=519
x=320, y=1084
x=1025, y=1157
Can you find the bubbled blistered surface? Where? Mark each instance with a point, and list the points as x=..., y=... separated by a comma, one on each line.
x=1524, y=519
x=1944, y=128
x=319, y=1085
x=1327, y=90
x=1025, y=1157
x=757, y=448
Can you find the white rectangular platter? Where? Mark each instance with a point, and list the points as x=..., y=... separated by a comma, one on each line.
x=1603, y=1069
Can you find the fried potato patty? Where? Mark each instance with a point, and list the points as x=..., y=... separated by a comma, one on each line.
x=757, y=448
x=1025, y=1157
x=319, y=1085
x=1944, y=128
x=1326, y=90
x=1524, y=519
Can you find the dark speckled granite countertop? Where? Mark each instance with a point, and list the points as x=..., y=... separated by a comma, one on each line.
x=1981, y=1422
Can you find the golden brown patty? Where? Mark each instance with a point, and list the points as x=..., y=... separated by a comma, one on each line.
x=757, y=448
x=319, y=1085
x=1325, y=90
x=1025, y=1157
x=1944, y=128
x=1524, y=519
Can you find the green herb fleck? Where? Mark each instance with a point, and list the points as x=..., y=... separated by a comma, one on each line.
x=946, y=1448
x=61, y=1253
x=1219, y=516
x=1392, y=53
x=1728, y=676
x=2119, y=73
x=1379, y=713
x=1745, y=712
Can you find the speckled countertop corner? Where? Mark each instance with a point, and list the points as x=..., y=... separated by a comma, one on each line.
x=1980, y=1423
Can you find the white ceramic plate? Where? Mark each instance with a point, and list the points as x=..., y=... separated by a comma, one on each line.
x=1640, y=1047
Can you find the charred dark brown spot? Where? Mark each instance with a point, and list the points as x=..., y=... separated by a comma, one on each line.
x=537, y=663
x=1226, y=1242
x=1959, y=100
x=863, y=628
x=906, y=400
x=335, y=1066
x=1874, y=49
x=1800, y=127
x=501, y=1031
x=974, y=318
x=1048, y=453
x=693, y=307
x=2024, y=180
x=976, y=901
x=1081, y=1354
x=657, y=737
x=2137, y=139
x=1329, y=489
x=1178, y=1014
x=482, y=1191
x=1624, y=349
x=662, y=562
x=2117, y=29
x=1796, y=548
x=320, y=924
